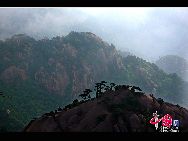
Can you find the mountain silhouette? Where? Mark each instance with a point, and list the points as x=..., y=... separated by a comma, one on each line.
x=174, y=64
x=41, y=75
x=119, y=110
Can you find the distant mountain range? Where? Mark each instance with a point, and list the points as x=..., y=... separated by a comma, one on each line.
x=174, y=64
x=41, y=75
x=125, y=53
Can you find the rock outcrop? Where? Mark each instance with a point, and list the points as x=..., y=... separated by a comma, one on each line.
x=13, y=74
x=63, y=65
x=44, y=74
x=115, y=111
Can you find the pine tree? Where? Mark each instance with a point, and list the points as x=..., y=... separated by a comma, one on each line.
x=99, y=87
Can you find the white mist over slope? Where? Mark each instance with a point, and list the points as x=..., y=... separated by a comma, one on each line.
x=146, y=32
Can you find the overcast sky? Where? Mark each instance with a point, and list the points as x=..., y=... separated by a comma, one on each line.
x=145, y=32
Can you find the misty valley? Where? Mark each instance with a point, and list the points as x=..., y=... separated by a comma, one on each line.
x=38, y=76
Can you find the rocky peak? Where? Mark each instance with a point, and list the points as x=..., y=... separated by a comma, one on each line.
x=20, y=39
x=122, y=110
x=78, y=52
x=19, y=36
x=87, y=38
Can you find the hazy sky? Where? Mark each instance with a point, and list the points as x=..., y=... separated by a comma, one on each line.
x=146, y=32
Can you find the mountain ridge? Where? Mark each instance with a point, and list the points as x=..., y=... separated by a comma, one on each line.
x=52, y=72
x=60, y=66
x=122, y=110
x=174, y=64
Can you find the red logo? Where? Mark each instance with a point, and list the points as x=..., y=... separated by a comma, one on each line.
x=166, y=120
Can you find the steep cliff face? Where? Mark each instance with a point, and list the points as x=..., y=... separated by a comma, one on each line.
x=64, y=65
x=41, y=75
x=13, y=74
x=116, y=111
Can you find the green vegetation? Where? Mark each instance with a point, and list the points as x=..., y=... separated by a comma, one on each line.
x=99, y=87
x=148, y=116
x=173, y=64
x=148, y=76
x=3, y=129
x=131, y=103
x=160, y=100
x=2, y=95
x=77, y=52
x=27, y=100
x=86, y=94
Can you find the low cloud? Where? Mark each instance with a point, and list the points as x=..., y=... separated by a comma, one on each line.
x=146, y=32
